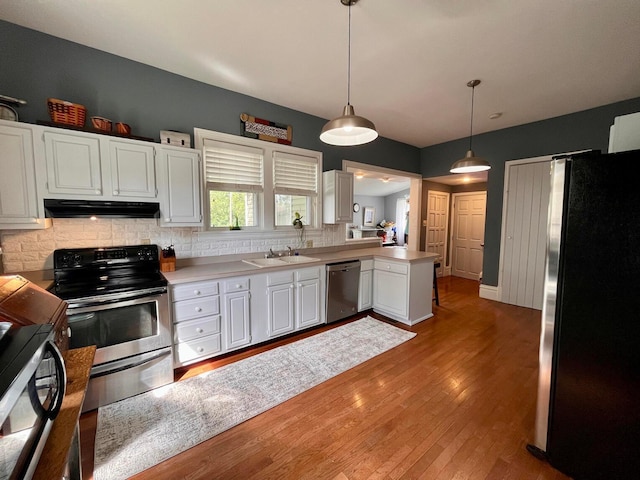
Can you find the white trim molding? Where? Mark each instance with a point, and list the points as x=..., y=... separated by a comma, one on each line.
x=490, y=292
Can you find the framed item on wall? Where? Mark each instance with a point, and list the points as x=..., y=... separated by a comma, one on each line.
x=368, y=217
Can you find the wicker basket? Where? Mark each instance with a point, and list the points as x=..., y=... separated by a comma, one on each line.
x=66, y=112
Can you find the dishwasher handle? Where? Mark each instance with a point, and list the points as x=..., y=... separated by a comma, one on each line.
x=343, y=266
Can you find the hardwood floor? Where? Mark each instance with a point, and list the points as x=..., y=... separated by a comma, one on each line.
x=456, y=402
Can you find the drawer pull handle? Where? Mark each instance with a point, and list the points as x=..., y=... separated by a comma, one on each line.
x=196, y=292
x=238, y=285
x=198, y=309
x=199, y=330
x=200, y=349
x=388, y=267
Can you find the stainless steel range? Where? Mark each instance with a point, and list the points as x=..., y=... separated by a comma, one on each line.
x=117, y=301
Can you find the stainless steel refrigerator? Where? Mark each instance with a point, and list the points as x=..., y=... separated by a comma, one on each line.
x=588, y=410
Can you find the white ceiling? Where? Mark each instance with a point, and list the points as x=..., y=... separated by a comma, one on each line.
x=411, y=59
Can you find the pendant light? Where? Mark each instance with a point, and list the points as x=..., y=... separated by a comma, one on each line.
x=470, y=163
x=348, y=129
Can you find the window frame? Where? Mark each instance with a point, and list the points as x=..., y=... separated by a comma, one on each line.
x=265, y=208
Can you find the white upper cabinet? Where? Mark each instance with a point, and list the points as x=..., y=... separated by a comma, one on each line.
x=179, y=187
x=73, y=163
x=83, y=165
x=337, y=189
x=132, y=169
x=18, y=199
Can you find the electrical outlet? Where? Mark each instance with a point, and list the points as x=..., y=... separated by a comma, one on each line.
x=145, y=241
x=309, y=243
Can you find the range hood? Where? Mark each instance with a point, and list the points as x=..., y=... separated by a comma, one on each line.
x=99, y=208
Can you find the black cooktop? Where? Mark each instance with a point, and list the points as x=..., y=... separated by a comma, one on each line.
x=85, y=272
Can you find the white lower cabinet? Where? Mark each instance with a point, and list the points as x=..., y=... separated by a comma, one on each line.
x=403, y=291
x=236, y=316
x=215, y=317
x=293, y=300
x=280, y=303
x=365, y=290
x=308, y=298
x=197, y=322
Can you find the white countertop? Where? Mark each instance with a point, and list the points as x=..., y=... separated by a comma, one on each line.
x=211, y=271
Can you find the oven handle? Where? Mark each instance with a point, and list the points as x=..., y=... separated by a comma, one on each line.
x=62, y=376
x=125, y=364
x=81, y=305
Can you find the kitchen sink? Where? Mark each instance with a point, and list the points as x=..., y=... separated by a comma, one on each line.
x=264, y=262
x=299, y=259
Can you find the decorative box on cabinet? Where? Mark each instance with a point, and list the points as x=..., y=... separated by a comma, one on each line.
x=179, y=187
x=337, y=191
x=197, y=329
x=19, y=207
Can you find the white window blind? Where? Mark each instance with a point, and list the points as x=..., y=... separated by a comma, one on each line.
x=295, y=174
x=233, y=167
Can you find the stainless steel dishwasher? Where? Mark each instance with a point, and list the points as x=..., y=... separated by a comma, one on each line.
x=343, y=280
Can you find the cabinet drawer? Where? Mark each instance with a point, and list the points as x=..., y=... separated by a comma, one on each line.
x=194, y=349
x=196, y=308
x=236, y=285
x=402, y=268
x=308, y=274
x=192, y=329
x=194, y=290
x=280, y=278
x=366, y=264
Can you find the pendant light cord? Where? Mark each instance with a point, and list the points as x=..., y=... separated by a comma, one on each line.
x=349, y=61
x=473, y=91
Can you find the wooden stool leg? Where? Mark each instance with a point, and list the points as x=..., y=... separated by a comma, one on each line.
x=435, y=283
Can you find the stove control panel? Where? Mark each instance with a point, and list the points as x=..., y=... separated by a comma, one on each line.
x=86, y=257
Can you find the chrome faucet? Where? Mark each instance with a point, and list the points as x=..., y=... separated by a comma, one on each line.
x=290, y=250
x=271, y=254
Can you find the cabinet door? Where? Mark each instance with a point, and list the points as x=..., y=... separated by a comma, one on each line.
x=337, y=190
x=280, y=319
x=73, y=164
x=132, y=169
x=365, y=290
x=18, y=205
x=237, y=323
x=179, y=187
x=308, y=303
x=390, y=292
x=344, y=193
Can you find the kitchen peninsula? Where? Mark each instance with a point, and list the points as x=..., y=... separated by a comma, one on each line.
x=224, y=303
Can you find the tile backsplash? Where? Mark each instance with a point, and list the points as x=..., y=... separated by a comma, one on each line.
x=30, y=250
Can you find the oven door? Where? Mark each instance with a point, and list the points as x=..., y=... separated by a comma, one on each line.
x=121, y=325
x=28, y=408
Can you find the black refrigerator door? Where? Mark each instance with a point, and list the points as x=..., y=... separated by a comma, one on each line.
x=594, y=422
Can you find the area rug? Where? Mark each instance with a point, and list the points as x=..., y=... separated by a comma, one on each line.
x=142, y=431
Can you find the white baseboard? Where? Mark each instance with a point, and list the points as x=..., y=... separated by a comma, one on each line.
x=490, y=292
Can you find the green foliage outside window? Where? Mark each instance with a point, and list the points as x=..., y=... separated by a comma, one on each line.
x=225, y=206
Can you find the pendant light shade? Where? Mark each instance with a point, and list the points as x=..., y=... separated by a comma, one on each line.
x=348, y=129
x=470, y=163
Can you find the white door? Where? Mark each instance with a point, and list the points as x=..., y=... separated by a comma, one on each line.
x=437, y=223
x=468, y=234
x=133, y=170
x=525, y=233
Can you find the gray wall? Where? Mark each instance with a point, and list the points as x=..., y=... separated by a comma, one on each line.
x=583, y=130
x=35, y=66
x=368, y=201
x=390, y=205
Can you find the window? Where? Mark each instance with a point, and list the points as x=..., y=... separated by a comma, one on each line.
x=234, y=180
x=295, y=185
x=258, y=185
